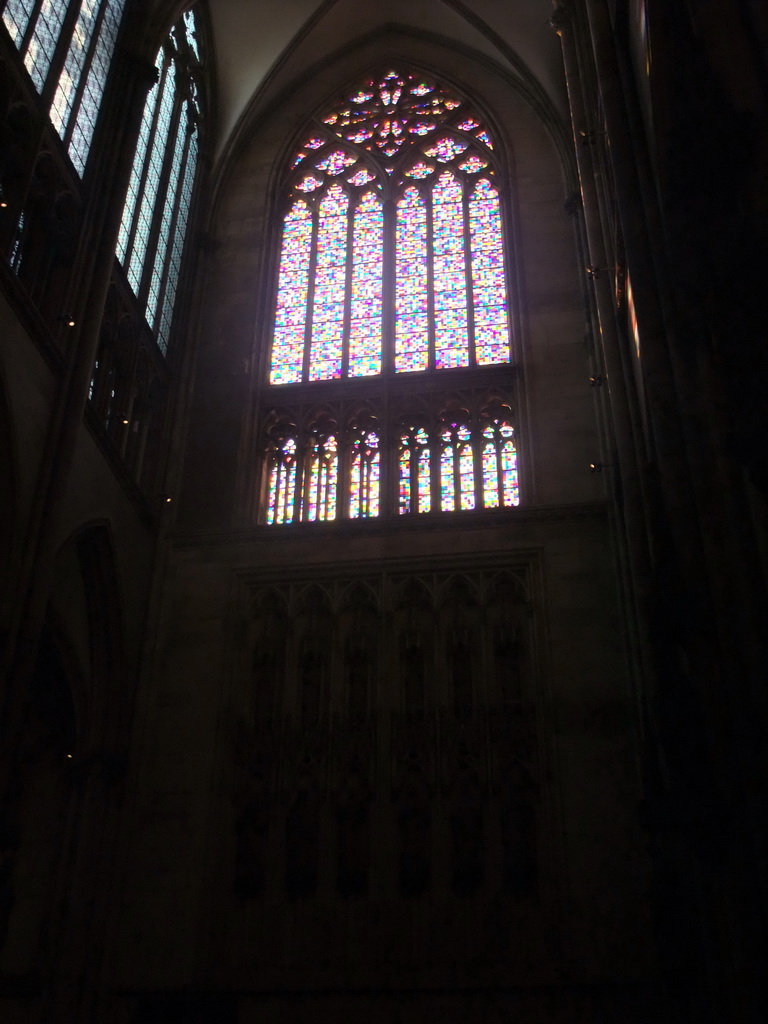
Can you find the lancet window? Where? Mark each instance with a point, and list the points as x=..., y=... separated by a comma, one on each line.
x=67, y=49
x=157, y=207
x=392, y=268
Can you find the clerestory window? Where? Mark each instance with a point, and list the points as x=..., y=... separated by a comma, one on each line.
x=391, y=269
x=157, y=207
x=67, y=48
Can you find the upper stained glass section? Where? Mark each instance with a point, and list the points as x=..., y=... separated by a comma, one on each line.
x=392, y=256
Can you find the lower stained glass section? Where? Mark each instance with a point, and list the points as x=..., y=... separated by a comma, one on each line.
x=414, y=472
x=500, y=484
x=457, y=473
x=320, y=486
x=282, y=485
x=364, y=476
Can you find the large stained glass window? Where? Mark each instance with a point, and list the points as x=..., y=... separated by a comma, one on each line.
x=154, y=221
x=71, y=43
x=392, y=271
x=404, y=160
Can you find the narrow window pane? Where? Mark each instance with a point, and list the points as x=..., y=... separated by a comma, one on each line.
x=330, y=287
x=174, y=266
x=364, y=476
x=488, y=286
x=319, y=498
x=450, y=287
x=414, y=467
x=138, y=165
x=166, y=222
x=16, y=19
x=66, y=90
x=411, y=317
x=499, y=461
x=149, y=195
x=365, y=327
x=43, y=42
x=95, y=82
x=282, y=484
x=457, y=477
x=291, y=314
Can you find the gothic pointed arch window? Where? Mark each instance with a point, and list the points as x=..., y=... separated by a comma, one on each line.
x=67, y=48
x=154, y=221
x=392, y=270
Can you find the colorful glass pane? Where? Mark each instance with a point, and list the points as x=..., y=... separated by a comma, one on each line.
x=292, y=289
x=446, y=149
x=309, y=184
x=449, y=274
x=319, y=497
x=365, y=326
x=414, y=472
x=421, y=128
x=313, y=143
x=473, y=164
x=174, y=265
x=484, y=137
x=420, y=170
x=364, y=477
x=335, y=162
x=500, y=486
x=411, y=302
x=327, y=336
x=282, y=484
x=488, y=283
x=467, y=125
x=361, y=177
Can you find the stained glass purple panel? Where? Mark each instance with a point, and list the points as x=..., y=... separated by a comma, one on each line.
x=488, y=283
x=291, y=315
x=330, y=287
x=411, y=303
x=365, y=326
x=450, y=289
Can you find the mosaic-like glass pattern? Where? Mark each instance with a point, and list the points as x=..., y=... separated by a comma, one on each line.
x=446, y=149
x=365, y=459
x=420, y=170
x=457, y=473
x=500, y=485
x=366, y=304
x=281, y=497
x=488, y=284
x=292, y=292
x=415, y=491
x=336, y=162
x=327, y=337
x=411, y=296
x=473, y=164
x=449, y=297
x=164, y=236
x=320, y=485
x=450, y=285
